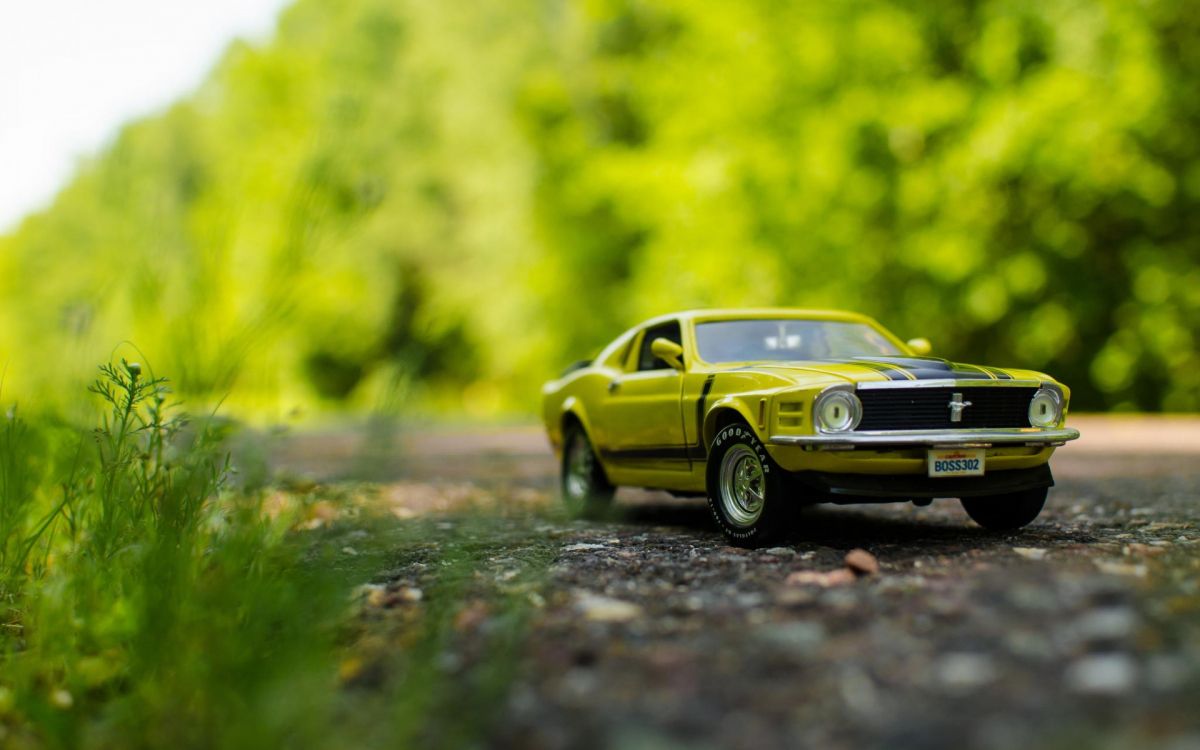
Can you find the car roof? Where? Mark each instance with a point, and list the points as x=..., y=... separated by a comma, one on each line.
x=688, y=317
x=759, y=313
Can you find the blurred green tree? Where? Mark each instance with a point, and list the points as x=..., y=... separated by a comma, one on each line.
x=468, y=197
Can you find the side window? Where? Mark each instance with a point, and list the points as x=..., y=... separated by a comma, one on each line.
x=646, y=359
x=619, y=358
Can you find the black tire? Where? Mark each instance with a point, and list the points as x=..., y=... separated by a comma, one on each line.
x=747, y=518
x=1006, y=512
x=585, y=488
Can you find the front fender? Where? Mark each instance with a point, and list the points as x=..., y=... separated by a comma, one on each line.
x=737, y=404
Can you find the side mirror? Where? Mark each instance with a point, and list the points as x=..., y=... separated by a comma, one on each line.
x=668, y=351
x=919, y=347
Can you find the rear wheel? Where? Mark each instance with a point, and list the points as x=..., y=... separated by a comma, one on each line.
x=745, y=488
x=586, y=490
x=1006, y=512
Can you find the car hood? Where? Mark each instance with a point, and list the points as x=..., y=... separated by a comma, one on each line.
x=866, y=369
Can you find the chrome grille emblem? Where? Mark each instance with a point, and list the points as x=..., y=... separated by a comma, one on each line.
x=956, y=407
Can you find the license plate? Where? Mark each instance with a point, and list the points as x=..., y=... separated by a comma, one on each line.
x=956, y=462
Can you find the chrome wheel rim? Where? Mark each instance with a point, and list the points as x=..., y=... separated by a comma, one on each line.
x=581, y=467
x=743, y=486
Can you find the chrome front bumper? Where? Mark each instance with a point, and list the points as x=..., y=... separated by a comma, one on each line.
x=986, y=438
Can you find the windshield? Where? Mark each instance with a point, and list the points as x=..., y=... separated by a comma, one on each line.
x=788, y=340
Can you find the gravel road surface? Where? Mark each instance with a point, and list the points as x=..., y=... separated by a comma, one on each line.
x=648, y=631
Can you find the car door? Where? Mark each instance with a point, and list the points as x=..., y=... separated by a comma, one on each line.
x=642, y=413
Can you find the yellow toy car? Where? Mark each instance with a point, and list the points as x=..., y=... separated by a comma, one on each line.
x=764, y=410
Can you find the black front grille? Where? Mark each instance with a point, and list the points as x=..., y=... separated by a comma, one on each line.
x=929, y=408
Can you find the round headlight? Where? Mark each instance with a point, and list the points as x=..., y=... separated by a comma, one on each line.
x=1045, y=408
x=837, y=411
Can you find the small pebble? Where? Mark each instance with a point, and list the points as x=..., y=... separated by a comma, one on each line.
x=599, y=608
x=825, y=579
x=862, y=562
x=800, y=637
x=1117, y=568
x=1145, y=550
x=965, y=671
x=1107, y=624
x=1102, y=674
x=582, y=547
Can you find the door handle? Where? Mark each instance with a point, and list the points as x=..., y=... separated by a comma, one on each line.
x=613, y=385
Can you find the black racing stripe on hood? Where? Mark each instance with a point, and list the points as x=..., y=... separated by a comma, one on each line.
x=972, y=370
x=883, y=368
x=908, y=368
x=927, y=368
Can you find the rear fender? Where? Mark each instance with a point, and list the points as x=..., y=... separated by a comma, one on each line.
x=572, y=407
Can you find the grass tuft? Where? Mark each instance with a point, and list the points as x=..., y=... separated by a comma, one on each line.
x=146, y=601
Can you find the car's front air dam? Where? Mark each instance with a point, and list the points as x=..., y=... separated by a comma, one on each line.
x=851, y=489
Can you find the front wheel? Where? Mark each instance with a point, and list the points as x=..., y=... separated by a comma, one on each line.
x=1006, y=512
x=586, y=490
x=745, y=488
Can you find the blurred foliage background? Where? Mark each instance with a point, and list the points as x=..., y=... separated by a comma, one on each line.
x=450, y=201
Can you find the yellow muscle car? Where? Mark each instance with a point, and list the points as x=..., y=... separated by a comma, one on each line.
x=764, y=410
